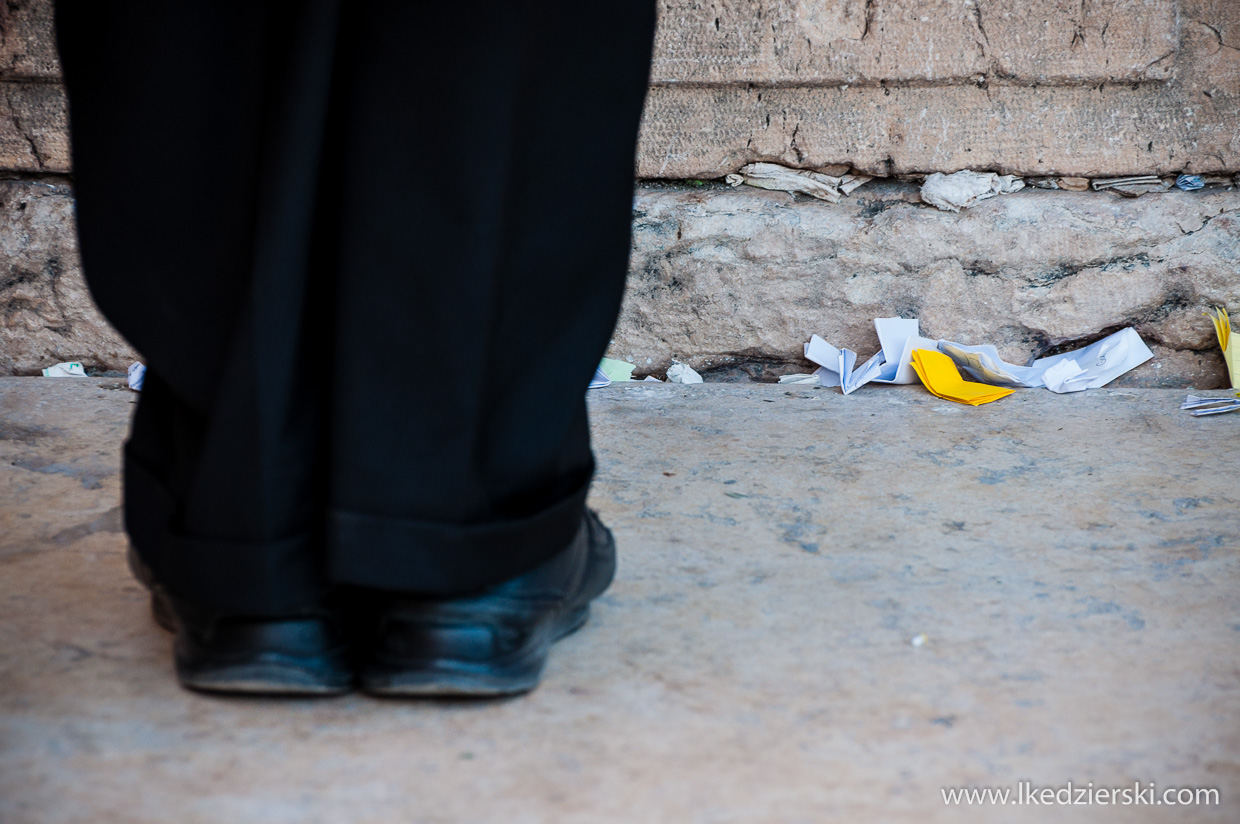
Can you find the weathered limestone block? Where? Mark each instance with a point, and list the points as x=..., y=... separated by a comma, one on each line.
x=27, y=41
x=34, y=123
x=48, y=315
x=722, y=275
x=1104, y=89
x=814, y=42
x=1043, y=87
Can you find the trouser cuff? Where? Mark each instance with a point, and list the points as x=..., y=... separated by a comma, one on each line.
x=443, y=559
x=253, y=578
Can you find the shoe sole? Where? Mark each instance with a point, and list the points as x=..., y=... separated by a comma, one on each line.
x=262, y=678
x=272, y=677
x=517, y=673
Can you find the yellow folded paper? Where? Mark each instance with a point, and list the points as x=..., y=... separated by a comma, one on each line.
x=1229, y=343
x=941, y=377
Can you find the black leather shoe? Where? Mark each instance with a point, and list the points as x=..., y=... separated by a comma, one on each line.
x=305, y=654
x=495, y=642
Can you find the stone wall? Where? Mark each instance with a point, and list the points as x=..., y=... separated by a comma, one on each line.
x=737, y=279
x=722, y=277
x=1090, y=88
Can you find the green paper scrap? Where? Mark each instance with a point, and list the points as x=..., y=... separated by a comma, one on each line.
x=617, y=370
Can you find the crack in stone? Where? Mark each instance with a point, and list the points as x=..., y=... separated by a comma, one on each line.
x=24, y=132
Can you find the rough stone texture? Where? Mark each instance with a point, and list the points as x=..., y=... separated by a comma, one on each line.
x=1100, y=88
x=719, y=274
x=1024, y=88
x=812, y=42
x=48, y=315
x=752, y=661
x=33, y=128
x=27, y=40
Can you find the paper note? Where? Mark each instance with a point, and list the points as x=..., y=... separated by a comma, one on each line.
x=940, y=376
x=1199, y=407
x=682, y=373
x=71, y=369
x=1099, y=363
x=616, y=370
x=983, y=363
x=136, y=376
x=899, y=337
x=600, y=380
x=837, y=365
x=1229, y=343
x=1086, y=368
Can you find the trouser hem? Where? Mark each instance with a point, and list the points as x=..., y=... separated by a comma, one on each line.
x=444, y=559
x=234, y=577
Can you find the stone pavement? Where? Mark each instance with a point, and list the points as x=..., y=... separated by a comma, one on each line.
x=1071, y=562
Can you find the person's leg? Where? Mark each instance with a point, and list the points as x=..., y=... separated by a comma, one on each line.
x=464, y=201
x=485, y=219
x=198, y=140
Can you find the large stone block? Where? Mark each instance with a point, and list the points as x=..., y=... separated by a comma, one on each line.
x=812, y=42
x=1044, y=102
x=720, y=276
x=27, y=40
x=34, y=127
x=48, y=315
x=892, y=86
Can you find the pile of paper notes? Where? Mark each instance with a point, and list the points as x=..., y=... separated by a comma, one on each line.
x=1087, y=368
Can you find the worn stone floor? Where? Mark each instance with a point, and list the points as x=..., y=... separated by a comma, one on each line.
x=1071, y=562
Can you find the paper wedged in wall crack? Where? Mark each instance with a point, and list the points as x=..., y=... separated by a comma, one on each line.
x=783, y=179
x=1134, y=186
x=960, y=190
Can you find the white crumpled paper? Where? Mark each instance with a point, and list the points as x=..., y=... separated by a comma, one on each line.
x=682, y=373
x=954, y=192
x=69, y=369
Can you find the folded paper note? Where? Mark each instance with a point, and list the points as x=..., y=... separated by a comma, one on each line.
x=984, y=364
x=892, y=363
x=837, y=365
x=1199, y=407
x=600, y=380
x=899, y=337
x=616, y=370
x=1229, y=343
x=1086, y=368
x=1095, y=365
x=939, y=374
x=71, y=369
x=136, y=376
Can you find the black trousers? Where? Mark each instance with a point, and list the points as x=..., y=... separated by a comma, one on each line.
x=371, y=252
